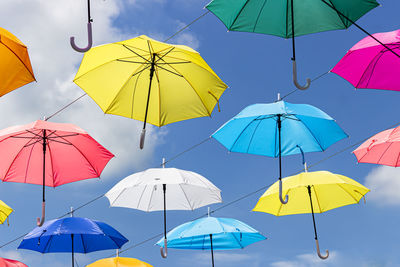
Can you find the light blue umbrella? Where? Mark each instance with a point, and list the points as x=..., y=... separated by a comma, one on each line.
x=279, y=129
x=212, y=234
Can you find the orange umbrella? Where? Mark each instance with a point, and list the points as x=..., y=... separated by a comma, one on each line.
x=15, y=66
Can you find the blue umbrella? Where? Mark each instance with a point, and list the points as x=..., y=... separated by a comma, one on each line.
x=213, y=234
x=278, y=129
x=73, y=234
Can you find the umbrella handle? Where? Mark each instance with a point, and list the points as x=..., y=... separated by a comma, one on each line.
x=142, y=137
x=164, y=254
x=280, y=194
x=40, y=221
x=319, y=253
x=296, y=83
x=90, y=40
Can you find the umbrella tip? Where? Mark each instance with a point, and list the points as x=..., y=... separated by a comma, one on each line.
x=279, y=97
x=72, y=212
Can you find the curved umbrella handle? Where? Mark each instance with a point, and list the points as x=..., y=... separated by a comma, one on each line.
x=90, y=40
x=280, y=194
x=142, y=137
x=164, y=254
x=40, y=221
x=296, y=83
x=319, y=253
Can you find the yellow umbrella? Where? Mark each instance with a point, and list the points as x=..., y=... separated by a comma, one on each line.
x=15, y=66
x=312, y=192
x=150, y=81
x=5, y=211
x=119, y=262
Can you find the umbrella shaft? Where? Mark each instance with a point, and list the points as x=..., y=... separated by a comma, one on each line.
x=73, y=260
x=152, y=69
x=212, y=250
x=279, y=144
x=165, y=211
x=89, y=17
x=293, y=43
x=44, y=164
x=312, y=212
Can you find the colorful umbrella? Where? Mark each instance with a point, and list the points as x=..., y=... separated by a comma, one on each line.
x=369, y=65
x=290, y=18
x=119, y=262
x=279, y=129
x=119, y=77
x=15, y=66
x=382, y=148
x=50, y=154
x=312, y=192
x=5, y=211
x=164, y=189
x=11, y=263
x=75, y=235
x=213, y=234
x=89, y=29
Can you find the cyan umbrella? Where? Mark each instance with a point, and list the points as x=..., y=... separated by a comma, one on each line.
x=73, y=234
x=212, y=234
x=279, y=129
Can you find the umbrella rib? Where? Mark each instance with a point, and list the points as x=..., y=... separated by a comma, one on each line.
x=375, y=60
x=183, y=191
x=316, y=197
x=116, y=198
x=252, y=136
x=245, y=128
x=134, y=90
x=159, y=95
x=52, y=165
x=148, y=61
x=48, y=243
x=80, y=152
x=83, y=244
x=384, y=152
x=164, y=55
x=240, y=11
x=334, y=9
x=312, y=134
x=349, y=193
x=259, y=14
x=151, y=196
x=177, y=74
x=26, y=67
x=141, y=195
x=29, y=160
x=233, y=234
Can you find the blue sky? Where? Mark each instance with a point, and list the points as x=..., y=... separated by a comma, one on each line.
x=256, y=67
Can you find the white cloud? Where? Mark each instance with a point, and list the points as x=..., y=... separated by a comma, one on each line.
x=306, y=260
x=384, y=183
x=224, y=258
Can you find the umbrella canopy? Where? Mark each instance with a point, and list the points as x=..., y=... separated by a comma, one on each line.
x=50, y=154
x=290, y=18
x=164, y=189
x=279, y=129
x=382, y=148
x=73, y=234
x=213, y=234
x=119, y=77
x=370, y=65
x=119, y=262
x=15, y=65
x=5, y=211
x=11, y=263
x=312, y=192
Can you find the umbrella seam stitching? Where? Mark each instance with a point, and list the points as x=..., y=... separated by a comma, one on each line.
x=375, y=61
x=238, y=14
x=245, y=128
x=312, y=134
x=259, y=14
x=340, y=17
x=183, y=191
x=349, y=193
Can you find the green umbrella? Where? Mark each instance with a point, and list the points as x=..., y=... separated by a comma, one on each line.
x=278, y=17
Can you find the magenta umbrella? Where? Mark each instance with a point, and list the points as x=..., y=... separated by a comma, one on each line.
x=11, y=263
x=382, y=148
x=369, y=65
x=50, y=154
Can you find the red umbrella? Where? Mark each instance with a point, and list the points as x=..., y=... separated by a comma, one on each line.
x=50, y=154
x=11, y=263
x=382, y=148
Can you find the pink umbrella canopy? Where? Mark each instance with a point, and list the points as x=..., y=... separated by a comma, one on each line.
x=11, y=263
x=369, y=65
x=382, y=148
x=50, y=154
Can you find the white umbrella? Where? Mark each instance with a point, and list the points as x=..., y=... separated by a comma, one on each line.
x=164, y=188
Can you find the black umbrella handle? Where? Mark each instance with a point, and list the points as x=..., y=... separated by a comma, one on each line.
x=319, y=252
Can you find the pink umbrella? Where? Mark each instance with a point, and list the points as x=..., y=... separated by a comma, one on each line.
x=50, y=154
x=369, y=65
x=11, y=263
x=382, y=148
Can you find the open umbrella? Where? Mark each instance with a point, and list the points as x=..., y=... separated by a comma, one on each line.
x=50, y=154
x=89, y=29
x=5, y=211
x=312, y=192
x=164, y=189
x=382, y=148
x=370, y=65
x=213, y=234
x=119, y=262
x=11, y=263
x=15, y=65
x=150, y=81
x=290, y=18
x=279, y=129
x=75, y=235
